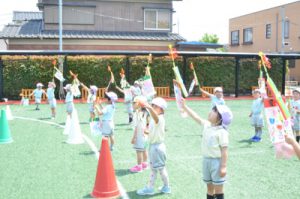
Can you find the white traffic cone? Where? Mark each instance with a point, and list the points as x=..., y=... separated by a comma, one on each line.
x=9, y=115
x=67, y=126
x=75, y=135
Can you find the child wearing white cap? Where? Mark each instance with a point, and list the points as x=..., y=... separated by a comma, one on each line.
x=69, y=99
x=157, y=149
x=128, y=97
x=295, y=104
x=256, y=115
x=217, y=97
x=214, y=147
x=107, y=122
x=91, y=99
x=38, y=92
x=139, y=139
x=51, y=98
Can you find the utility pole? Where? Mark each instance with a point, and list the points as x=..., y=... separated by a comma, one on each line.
x=61, y=58
x=60, y=24
x=282, y=28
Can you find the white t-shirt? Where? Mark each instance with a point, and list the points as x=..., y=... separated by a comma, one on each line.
x=214, y=137
x=157, y=131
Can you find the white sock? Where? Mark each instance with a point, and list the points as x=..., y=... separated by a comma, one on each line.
x=164, y=176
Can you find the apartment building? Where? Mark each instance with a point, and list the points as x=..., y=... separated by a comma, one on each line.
x=274, y=30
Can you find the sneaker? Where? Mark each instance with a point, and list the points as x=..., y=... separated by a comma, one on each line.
x=165, y=189
x=258, y=139
x=136, y=169
x=37, y=109
x=145, y=191
x=145, y=165
x=253, y=139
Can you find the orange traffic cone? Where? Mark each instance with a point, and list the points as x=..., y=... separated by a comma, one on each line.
x=105, y=182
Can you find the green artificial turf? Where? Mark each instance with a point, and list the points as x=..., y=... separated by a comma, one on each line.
x=38, y=164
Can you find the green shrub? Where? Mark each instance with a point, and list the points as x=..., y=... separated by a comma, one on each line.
x=24, y=72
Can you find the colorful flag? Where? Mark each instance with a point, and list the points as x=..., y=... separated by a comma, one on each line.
x=178, y=97
x=59, y=75
x=192, y=86
x=148, y=89
x=277, y=128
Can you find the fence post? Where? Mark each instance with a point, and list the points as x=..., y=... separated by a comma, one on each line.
x=1, y=78
x=237, y=75
x=283, y=76
x=127, y=69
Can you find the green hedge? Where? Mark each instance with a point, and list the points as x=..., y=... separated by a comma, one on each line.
x=24, y=72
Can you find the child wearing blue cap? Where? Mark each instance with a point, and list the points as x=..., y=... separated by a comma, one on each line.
x=215, y=142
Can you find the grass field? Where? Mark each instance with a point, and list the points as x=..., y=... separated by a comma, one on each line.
x=38, y=164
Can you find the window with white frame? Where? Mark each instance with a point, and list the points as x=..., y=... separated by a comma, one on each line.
x=235, y=38
x=286, y=29
x=247, y=36
x=268, y=31
x=157, y=19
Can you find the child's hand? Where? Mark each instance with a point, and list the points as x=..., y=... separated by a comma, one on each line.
x=147, y=105
x=289, y=139
x=133, y=140
x=223, y=171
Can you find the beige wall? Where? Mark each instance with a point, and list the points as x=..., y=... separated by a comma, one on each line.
x=104, y=16
x=75, y=44
x=258, y=21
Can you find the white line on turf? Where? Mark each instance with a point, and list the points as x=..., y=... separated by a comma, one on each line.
x=88, y=141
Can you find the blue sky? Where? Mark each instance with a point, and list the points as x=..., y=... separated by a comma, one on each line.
x=192, y=18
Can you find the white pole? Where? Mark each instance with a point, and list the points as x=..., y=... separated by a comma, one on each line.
x=60, y=24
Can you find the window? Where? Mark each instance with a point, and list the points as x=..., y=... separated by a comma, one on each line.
x=268, y=31
x=247, y=36
x=157, y=19
x=286, y=29
x=235, y=37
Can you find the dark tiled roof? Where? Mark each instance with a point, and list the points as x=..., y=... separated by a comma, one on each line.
x=33, y=29
x=25, y=16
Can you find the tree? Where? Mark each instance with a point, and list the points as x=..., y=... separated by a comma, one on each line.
x=210, y=38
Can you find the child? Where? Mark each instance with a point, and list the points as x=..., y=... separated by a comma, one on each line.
x=127, y=100
x=214, y=147
x=217, y=97
x=157, y=149
x=291, y=140
x=136, y=89
x=69, y=100
x=91, y=99
x=296, y=113
x=256, y=115
x=38, y=92
x=139, y=139
x=107, y=122
x=51, y=98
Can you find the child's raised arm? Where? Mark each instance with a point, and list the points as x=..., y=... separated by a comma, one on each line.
x=84, y=86
x=119, y=89
x=152, y=112
x=192, y=113
x=206, y=93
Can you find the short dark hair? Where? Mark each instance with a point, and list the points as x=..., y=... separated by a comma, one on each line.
x=219, y=115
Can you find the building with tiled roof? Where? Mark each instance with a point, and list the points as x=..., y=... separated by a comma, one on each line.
x=94, y=25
